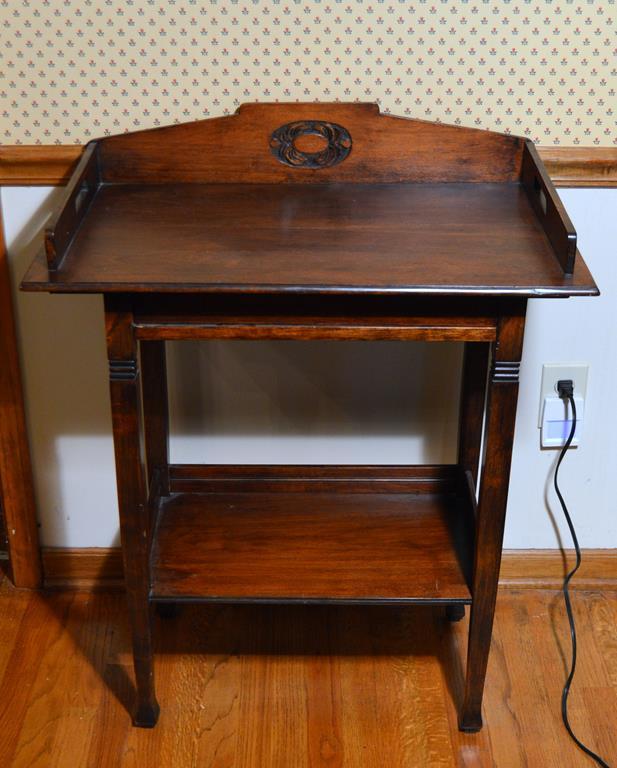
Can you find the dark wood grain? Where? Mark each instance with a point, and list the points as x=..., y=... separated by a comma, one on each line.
x=384, y=238
x=16, y=485
x=317, y=328
x=346, y=478
x=491, y=511
x=71, y=211
x=156, y=412
x=237, y=149
x=471, y=413
x=319, y=546
x=272, y=316
x=135, y=526
x=549, y=208
x=51, y=165
x=261, y=144
x=4, y=545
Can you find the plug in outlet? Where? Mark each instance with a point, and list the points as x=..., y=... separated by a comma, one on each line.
x=554, y=417
x=553, y=372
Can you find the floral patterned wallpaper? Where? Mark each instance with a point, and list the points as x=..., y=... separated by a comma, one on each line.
x=71, y=70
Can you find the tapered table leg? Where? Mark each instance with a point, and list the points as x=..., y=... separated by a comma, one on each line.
x=135, y=525
x=473, y=394
x=156, y=412
x=493, y=494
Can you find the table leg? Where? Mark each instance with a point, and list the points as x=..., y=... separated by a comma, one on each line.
x=156, y=412
x=135, y=527
x=473, y=392
x=493, y=494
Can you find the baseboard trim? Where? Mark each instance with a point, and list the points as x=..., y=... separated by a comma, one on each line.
x=87, y=568
x=546, y=569
x=101, y=569
x=50, y=165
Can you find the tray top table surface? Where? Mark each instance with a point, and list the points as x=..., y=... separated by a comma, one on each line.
x=444, y=238
x=311, y=198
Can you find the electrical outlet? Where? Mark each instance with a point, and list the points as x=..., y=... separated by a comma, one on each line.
x=554, y=372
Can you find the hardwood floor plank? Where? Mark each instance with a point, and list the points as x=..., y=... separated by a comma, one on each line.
x=275, y=711
x=368, y=674
x=13, y=605
x=603, y=619
x=201, y=727
x=107, y=745
x=324, y=704
x=67, y=692
x=425, y=727
x=536, y=672
x=288, y=691
x=308, y=687
x=598, y=730
x=470, y=750
x=41, y=632
x=111, y=664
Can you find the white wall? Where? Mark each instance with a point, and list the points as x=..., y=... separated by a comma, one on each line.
x=571, y=331
x=286, y=402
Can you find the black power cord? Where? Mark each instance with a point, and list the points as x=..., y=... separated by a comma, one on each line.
x=565, y=388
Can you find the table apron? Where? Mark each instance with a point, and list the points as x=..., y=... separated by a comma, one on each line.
x=483, y=330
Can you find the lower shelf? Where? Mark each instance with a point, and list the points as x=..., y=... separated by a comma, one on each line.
x=322, y=545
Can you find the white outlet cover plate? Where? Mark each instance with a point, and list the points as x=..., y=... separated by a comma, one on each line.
x=554, y=372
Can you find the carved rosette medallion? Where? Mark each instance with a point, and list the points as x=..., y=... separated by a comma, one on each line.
x=285, y=140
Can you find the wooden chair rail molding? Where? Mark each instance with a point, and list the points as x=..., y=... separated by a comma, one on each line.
x=581, y=166
x=34, y=165
x=101, y=569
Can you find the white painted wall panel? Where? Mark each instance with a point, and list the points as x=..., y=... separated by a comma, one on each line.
x=572, y=331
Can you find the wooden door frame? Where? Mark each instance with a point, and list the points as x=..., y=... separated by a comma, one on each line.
x=21, y=166
x=16, y=485
x=52, y=166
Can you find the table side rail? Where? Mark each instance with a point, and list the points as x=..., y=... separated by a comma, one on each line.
x=549, y=209
x=346, y=478
x=72, y=208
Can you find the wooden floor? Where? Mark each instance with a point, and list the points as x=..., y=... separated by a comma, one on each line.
x=289, y=687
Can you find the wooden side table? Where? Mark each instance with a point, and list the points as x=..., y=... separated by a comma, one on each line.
x=312, y=221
